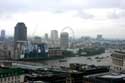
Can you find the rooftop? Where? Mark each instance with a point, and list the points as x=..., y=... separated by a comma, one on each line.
x=122, y=52
x=108, y=75
x=113, y=76
x=6, y=72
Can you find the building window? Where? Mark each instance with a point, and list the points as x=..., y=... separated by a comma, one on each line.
x=120, y=69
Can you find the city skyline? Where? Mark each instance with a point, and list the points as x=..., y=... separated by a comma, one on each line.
x=85, y=17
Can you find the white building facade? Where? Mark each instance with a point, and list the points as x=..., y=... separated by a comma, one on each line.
x=118, y=61
x=54, y=38
x=11, y=75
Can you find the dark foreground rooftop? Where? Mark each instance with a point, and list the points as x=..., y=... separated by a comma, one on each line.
x=105, y=78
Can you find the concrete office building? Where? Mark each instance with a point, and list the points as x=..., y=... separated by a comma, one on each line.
x=118, y=61
x=46, y=37
x=64, y=40
x=2, y=35
x=99, y=37
x=54, y=34
x=54, y=38
x=55, y=52
x=6, y=51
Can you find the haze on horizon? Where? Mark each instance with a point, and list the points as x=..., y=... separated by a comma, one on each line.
x=85, y=17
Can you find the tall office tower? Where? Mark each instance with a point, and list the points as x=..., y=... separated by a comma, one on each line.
x=20, y=32
x=54, y=35
x=64, y=40
x=46, y=37
x=99, y=37
x=2, y=35
x=54, y=38
x=20, y=40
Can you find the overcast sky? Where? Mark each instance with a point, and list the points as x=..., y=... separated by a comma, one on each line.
x=85, y=17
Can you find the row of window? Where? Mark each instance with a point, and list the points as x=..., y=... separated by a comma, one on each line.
x=117, y=55
x=117, y=62
x=13, y=79
x=118, y=68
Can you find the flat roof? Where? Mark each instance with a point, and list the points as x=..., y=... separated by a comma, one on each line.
x=113, y=76
x=6, y=72
x=122, y=52
x=108, y=75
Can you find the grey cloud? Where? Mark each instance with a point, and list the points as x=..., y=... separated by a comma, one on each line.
x=105, y=3
x=50, y=5
x=84, y=15
x=58, y=11
x=113, y=15
x=116, y=14
x=5, y=16
x=122, y=13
